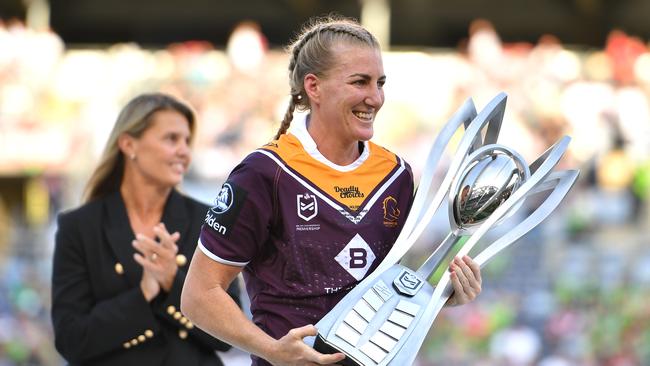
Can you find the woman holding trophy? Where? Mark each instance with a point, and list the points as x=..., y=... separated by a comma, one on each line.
x=311, y=214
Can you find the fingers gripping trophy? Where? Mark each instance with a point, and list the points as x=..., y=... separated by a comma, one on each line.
x=385, y=318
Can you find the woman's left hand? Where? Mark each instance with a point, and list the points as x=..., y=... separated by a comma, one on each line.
x=466, y=279
x=158, y=257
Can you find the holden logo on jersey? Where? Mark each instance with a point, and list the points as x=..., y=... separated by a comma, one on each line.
x=224, y=200
x=307, y=206
x=224, y=214
x=391, y=212
x=356, y=258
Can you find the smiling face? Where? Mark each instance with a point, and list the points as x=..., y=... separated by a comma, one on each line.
x=162, y=153
x=350, y=94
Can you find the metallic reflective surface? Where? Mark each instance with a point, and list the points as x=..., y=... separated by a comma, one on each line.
x=484, y=186
x=377, y=324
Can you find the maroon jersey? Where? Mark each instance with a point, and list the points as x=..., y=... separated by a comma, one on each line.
x=305, y=230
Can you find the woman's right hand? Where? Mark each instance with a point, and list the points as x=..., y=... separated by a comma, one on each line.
x=291, y=350
x=159, y=258
x=149, y=285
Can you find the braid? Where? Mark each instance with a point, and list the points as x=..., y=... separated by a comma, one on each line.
x=344, y=28
x=336, y=27
x=288, y=117
x=295, y=94
x=299, y=44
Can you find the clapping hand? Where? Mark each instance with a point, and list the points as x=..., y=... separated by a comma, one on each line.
x=158, y=258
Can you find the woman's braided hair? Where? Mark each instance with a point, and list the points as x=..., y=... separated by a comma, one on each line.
x=311, y=53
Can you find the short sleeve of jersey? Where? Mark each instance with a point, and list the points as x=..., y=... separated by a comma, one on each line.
x=237, y=225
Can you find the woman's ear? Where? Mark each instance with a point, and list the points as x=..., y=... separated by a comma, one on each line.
x=311, y=84
x=126, y=143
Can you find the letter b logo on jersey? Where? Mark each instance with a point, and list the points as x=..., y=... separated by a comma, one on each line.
x=356, y=258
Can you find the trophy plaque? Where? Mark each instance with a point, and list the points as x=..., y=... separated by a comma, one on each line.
x=385, y=318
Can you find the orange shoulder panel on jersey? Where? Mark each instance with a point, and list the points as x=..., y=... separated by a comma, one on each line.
x=349, y=188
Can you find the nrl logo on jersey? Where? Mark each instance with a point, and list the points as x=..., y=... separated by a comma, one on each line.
x=307, y=206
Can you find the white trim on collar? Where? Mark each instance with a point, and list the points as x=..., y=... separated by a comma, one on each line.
x=299, y=129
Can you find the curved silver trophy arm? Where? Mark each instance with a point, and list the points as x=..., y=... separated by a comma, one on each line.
x=465, y=114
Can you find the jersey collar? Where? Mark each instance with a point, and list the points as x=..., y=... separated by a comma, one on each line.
x=299, y=129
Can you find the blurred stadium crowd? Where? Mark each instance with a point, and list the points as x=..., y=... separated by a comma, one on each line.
x=571, y=293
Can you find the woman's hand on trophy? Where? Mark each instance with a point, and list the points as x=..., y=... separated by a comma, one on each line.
x=292, y=350
x=466, y=280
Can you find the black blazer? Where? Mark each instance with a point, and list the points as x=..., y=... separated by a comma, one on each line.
x=99, y=313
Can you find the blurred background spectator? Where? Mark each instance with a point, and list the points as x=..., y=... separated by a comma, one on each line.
x=572, y=292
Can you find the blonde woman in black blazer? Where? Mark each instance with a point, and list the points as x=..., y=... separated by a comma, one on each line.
x=120, y=259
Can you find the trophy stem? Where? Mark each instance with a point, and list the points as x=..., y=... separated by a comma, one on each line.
x=433, y=262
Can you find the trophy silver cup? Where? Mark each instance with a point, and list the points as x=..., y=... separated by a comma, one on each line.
x=385, y=318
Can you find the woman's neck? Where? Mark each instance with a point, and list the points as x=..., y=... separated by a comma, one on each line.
x=333, y=149
x=144, y=204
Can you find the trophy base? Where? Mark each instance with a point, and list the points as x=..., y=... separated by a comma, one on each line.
x=372, y=326
x=322, y=346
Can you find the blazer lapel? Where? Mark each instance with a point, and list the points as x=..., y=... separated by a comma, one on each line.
x=120, y=235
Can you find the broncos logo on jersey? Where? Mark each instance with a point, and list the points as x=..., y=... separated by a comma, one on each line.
x=391, y=212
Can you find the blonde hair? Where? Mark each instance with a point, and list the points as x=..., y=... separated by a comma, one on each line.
x=311, y=53
x=133, y=120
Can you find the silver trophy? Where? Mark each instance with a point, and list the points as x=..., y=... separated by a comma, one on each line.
x=385, y=318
